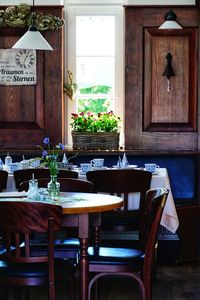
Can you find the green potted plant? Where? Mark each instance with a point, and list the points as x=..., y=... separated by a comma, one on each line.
x=95, y=131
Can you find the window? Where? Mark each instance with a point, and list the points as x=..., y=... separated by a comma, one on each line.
x=95, y=63
x=95, y=57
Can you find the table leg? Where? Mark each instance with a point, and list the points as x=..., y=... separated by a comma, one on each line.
x=84, y=264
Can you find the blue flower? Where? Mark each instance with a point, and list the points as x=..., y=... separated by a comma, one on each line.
x=61, y=146
x=44, y=153
x=50, y=155
x=46, y=140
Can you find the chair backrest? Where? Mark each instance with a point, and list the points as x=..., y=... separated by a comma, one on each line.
x=155, y=203
x=18, y=220
x=3, y=179
x=121, y=183
x=26, y=174
x=66, y=185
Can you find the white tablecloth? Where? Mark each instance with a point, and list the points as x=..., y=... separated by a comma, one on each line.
x=169, y=219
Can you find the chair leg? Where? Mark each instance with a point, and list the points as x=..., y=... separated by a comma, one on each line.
x=18, y=292
x=27, y=293
x=96, y=290
x=72, y=291
x=3, y=293
x=52, y=291
x=148, y=289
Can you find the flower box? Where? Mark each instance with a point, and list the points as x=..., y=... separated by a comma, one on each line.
x=95, y=140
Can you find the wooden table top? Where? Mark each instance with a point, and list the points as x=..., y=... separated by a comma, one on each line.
x=73, y=203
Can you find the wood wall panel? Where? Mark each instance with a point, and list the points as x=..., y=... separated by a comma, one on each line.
x=170, y=106
x=29, y=113
x=156, y=119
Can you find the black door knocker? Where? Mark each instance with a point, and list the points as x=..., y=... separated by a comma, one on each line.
x=169, y=72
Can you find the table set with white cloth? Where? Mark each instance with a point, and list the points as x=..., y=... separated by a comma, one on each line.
x=161, y=179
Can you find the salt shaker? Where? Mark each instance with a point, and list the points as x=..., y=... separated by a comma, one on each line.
x=125, y=163
x=8, y=160
x=119, y=163
x=65, y=161
x=33, y=191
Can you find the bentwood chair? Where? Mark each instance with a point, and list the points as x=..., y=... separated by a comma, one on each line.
x=19, y=267
x=135, y=263
x=117, y=225
x=66, y=185
x=26, y=174
x=3, y=179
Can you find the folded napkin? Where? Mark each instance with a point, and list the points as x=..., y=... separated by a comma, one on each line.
x=13, y=194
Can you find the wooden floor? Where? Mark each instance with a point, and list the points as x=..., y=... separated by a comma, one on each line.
x=176, y=282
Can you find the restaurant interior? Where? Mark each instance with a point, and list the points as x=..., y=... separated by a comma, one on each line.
x=99, y=149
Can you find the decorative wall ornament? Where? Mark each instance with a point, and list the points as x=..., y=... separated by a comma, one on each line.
x=169, y=72
x=71, y=86
x=22, y=16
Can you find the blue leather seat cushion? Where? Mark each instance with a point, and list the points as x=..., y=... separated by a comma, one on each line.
x=108, y=255
x=36, y=270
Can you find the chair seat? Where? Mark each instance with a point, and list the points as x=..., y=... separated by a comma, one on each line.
x=29, y=270
x=63, y=248
x=72, y=243
x=108, y=255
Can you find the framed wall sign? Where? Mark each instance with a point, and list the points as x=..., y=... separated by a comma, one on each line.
x=17, y=67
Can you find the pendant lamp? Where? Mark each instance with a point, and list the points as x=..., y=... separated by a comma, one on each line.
x=170, y=21
x=32, y=39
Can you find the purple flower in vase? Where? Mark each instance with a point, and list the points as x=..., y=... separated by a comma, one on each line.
x=46, y=140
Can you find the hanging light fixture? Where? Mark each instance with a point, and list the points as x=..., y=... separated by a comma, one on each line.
x=170, y=21
x=32, y=39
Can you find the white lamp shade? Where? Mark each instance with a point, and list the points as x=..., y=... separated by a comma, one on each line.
x=170, y=25
x=32, y=40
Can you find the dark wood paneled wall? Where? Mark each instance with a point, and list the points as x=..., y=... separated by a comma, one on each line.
x=29, y=113
x=156, y=118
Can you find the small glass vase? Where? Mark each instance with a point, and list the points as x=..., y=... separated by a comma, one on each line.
x=53, y=188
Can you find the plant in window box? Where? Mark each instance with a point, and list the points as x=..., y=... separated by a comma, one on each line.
x=97, y=132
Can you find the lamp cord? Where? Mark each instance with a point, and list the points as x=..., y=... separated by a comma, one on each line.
x=33, y=14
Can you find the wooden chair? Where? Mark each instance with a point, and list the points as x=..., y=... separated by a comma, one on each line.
x=66, y=185
x=66, y=244
x=26, y=174
x=121, y=183
x=18, y=266
x=136, y=263
x=3, y=179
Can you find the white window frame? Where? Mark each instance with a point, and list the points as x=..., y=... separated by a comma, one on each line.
x=86, y=10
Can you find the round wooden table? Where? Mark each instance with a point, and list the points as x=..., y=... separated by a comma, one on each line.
x=76, y=210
